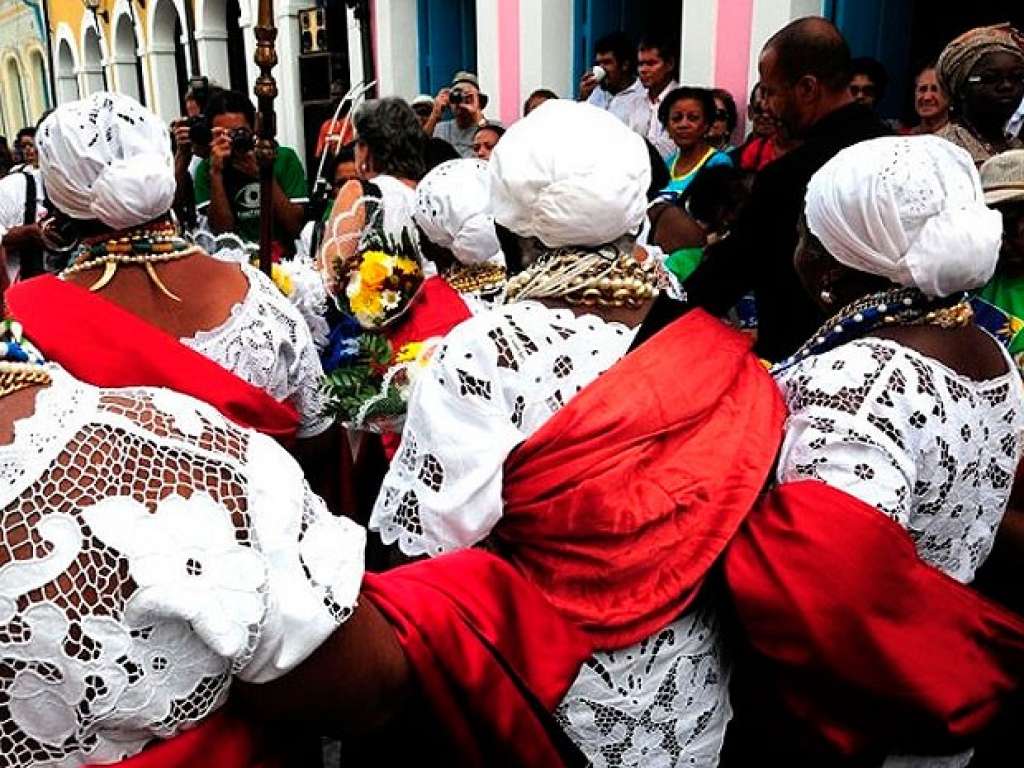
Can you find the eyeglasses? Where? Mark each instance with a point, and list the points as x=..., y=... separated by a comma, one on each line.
x=859, y=90
x=989, y=79
x=721, y=114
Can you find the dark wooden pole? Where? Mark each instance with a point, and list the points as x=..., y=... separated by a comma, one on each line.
x=266, y=125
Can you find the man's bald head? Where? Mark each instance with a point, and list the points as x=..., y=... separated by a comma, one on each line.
x=811, y=46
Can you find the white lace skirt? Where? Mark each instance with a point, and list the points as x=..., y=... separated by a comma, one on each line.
x=661, y=703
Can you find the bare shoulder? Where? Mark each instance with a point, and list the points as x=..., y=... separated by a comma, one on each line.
x=969, y=350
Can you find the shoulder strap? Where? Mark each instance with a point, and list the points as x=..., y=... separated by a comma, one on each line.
x=30, y=198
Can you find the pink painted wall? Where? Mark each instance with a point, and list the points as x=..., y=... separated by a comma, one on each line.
x=508, y=61
x=732, y=53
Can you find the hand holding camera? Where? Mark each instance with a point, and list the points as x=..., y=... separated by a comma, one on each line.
x=234, y=146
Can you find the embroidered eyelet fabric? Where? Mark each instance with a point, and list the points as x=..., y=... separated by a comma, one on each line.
x=266, y=342
x=498, y=377
x=933, y=450
x=150, y=551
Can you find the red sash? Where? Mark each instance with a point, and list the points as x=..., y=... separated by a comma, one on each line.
x=107, y=346
x=491, y=656
x=874, y=649
x=434, y=311
x=618, y=506
x=220, y=741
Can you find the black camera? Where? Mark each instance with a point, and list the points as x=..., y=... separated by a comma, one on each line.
x=242, y=140
x=199, y=131
x=456, y=96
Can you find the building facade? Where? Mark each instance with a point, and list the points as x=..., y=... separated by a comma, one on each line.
x=24, y=74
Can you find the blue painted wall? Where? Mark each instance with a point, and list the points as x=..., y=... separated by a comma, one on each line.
x=447, y=40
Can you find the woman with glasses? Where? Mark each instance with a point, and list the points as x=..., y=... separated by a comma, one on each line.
x=724, y=121
x=983, y=72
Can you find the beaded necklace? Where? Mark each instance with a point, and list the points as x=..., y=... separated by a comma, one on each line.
x=485, y=280
x=146, y=246
x=21, y=364
x=897, y=306
x=608, y=277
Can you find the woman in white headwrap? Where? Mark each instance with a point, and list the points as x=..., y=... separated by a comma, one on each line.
x=108, y=170
x=453, y=213
x=900, y=400
x=601, y=504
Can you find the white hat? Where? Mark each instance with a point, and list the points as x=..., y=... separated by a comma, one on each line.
x=1002, y=177
x=107, y=157
x=909, y=209
x=570, y=174
x=453, y=210
x=424, y=99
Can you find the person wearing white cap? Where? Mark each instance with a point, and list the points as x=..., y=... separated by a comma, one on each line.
x=899, y=398
x=107, y=166
x=453, y=213
x=999, y=306
x=519, y=433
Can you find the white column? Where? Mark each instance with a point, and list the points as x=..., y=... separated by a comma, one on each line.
x=212, y=45
x=124, y=80
x=545, y=52
x=488, y=61
x=288, y=106
x=355, y=48
x=768, y=17
x=697, y=42
x=165, y=95
x=398, y=53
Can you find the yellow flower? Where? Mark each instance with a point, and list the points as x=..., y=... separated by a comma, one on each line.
x=379, y=257
x=282, y=279
x=408, y=266
x=410, y=352
x=366, y=303
x=373, y=274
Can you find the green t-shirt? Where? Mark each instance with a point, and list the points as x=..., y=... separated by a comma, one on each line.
x=245, y=193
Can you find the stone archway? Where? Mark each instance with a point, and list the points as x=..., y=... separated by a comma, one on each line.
x=92, y=62
x=40, y=91
x=126, y=63
x=67, y=82
x=16, y=108
x=164, y=40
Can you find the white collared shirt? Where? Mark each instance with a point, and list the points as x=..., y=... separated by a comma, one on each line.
x=656, y=132
x=630, y=105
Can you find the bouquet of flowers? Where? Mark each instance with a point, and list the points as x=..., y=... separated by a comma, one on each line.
x=366, y=381
x=382, y=280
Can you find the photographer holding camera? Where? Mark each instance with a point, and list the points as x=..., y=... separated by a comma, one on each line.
x=192, y=137
x=467, y=103
x=228, y=186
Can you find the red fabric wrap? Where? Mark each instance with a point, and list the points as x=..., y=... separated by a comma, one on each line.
x=491, y=655
x=107, y=346
x=435, y=310
x=220, y=741
x=874, y=648
x=618, y=506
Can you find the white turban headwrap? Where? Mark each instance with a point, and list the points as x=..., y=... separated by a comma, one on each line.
x=909, y=209
x=453, y=208
x=107, y=157
x=570, y=174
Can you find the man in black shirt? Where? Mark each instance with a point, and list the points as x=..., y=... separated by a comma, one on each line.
x=805, y=74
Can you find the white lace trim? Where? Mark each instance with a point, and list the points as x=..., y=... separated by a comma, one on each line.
x=496, y=379
x=933, y=450
x=265, y=342
x=150, y=551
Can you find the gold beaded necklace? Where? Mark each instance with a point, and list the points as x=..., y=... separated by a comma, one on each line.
x=145, y=246
x=608, y=277
x=15, y=377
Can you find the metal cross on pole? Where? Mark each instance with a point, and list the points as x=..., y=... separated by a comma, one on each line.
x=266, y=128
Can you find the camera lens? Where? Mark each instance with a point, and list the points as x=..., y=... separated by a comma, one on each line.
x=456, y=97
x=242, y=140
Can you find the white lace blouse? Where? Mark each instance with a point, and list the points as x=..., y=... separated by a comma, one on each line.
x=266, y=342
x=150, y=551
x=498, y=378
x=932, y=449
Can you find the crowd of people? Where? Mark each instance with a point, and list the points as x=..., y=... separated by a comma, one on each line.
x=603, y=438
